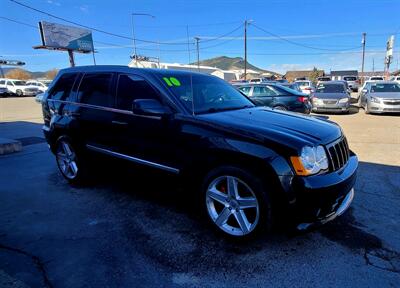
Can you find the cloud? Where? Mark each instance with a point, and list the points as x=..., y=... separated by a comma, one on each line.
x=53, y=2
x=84, y=8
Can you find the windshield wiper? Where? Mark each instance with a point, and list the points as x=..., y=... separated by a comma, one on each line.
x=213, y=109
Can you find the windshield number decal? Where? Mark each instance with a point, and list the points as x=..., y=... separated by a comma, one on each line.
x=172, y=81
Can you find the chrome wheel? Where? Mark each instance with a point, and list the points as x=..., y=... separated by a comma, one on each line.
x=66, y=160
x=232, y=205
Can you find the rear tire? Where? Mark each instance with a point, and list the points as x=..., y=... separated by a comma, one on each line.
x=236, y=202
x=70, y=161
x=19, y=93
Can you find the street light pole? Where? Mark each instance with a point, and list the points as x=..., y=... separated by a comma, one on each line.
x=363, y=56
x=198, y=53
x=133, y=31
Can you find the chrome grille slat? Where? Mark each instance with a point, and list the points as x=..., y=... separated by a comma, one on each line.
x=339, y=153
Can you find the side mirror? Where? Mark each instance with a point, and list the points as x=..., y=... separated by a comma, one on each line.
x=365, y=91
x=149, y=107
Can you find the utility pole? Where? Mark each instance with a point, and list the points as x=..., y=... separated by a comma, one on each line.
x=188, y=42
x=363, y=56
x=198, y=53
x=245, y=50
x=373, y=64
x=133, y=32
x=246, y=22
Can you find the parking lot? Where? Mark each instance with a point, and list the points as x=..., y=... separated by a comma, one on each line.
x=140, y=228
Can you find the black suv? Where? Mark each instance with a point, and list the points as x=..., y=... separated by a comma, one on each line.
x=249, y=162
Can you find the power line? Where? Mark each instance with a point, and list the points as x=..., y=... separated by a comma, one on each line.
x=18, y=22
x=300, y=44
x=223, y=35
x=93, y=28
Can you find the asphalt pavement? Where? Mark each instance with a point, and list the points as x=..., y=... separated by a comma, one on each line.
x=137, y=228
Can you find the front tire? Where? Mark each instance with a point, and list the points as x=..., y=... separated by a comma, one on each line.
x=19, y=93
x=236, y=202
x=70, y=161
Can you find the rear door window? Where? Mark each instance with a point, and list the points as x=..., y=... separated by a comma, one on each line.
x=245, y=90
x=264, y=91
x=62, y=89
x=131, y=87
x=95, y=89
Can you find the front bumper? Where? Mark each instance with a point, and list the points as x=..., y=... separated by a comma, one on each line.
x=383, y=108
x=339, y=107
x=321, y=198
x=30, y=93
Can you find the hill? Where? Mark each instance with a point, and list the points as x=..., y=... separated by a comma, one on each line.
x=229, y=63
x=33, y=75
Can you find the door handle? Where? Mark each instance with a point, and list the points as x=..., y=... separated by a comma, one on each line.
x=119, y=122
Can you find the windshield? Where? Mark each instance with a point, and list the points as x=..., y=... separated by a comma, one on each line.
x=19, y=83
x=204, y=94
x=330, y=88
x=349, y=78
x=385, y=87
x=324, y=79
x=303, y=83
x=376, y=78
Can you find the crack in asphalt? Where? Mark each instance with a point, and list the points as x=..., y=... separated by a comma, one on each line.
x=354, y=238
x=36, y=260
x=384, y=254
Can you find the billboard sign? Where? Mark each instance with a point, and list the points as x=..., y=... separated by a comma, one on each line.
x=389, y=50
x=64, y=37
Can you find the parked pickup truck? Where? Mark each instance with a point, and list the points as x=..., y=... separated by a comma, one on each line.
x=18, y=87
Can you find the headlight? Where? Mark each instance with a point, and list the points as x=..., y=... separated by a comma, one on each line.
x=311, y=161
x=376, y=100
x=317, y=100
x=344, y=100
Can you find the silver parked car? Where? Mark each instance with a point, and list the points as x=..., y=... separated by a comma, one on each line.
x=331, y=96
x=380, y=97
x=353, y=82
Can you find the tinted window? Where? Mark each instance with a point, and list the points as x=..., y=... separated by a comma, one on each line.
x=304, y=83
x=203, y=93
x=131, y=87
x=245, y=90
x=264, y=91
x=2, y=82
x=330, y=88
x=385, y=87
x=95, y=89
x=62, y=88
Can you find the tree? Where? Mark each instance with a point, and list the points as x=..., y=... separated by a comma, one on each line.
x=18, y=74
x=51, y=74
x=314, y=75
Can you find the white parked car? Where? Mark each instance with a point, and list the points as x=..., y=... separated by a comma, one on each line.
x=40, y=85
x=396, y=78
x=18, y=87
x=306, y=86
x=376, y=78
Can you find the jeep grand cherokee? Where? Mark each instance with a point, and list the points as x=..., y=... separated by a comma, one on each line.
x=246, y=159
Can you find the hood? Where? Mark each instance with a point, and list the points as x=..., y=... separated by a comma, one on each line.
x=386, y=95
x=291, y=129
x=331, y=95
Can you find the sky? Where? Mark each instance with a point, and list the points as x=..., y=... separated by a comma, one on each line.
x=282, y=34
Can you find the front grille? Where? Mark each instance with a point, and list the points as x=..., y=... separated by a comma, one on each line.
x=31, y=89
x=391, y=110
x=330, y=102
x=338, y=153
x=392, y=102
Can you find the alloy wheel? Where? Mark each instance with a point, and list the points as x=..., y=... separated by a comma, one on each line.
x=232, y=205
x=66, y=159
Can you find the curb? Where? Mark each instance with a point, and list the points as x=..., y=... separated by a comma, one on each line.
x=8, y=146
